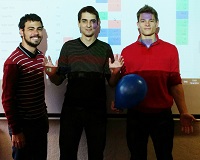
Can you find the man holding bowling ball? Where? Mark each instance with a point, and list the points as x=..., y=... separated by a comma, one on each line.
x=157, y=62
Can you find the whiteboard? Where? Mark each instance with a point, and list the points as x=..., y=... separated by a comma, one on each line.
x=178, y=22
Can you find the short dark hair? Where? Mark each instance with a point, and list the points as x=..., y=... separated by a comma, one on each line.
x=29, y=17
x=89, y=9
x=147, y=9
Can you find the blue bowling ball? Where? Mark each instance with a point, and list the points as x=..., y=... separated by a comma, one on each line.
x=130, y=91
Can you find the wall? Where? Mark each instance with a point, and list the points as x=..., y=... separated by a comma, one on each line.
x=186, y=147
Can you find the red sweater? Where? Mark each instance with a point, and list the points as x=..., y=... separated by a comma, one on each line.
x=23, y=88
x=159, y=66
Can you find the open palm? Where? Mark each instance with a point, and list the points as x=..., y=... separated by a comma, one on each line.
x=50, y=68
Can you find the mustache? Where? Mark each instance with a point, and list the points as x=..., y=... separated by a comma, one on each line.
x=36, y=37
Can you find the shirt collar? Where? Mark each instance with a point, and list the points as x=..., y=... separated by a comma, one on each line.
x=28, y=53
x=156, y=40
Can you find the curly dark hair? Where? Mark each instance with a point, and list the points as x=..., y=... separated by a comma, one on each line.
x=29, y=17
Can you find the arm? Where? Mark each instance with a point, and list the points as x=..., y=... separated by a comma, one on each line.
x=55, y=78
x=10, y=79
x=51, y=70
x=115, y=76
x=186, y=119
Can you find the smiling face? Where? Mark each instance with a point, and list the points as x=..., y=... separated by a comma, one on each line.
x=88, y=24
x=31, y=34
x=147, y=25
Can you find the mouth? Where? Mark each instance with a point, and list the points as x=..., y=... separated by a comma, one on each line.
x=88, y=30
x=35, y=38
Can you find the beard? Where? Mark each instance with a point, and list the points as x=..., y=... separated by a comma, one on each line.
x=32, y=44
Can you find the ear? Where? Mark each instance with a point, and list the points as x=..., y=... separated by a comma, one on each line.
x=157, y=30
x=99, y=22
x=21, y=32
x=78, y=24
x=99, y=25
x=138, y=27
x=139, y=30
x=157, y=24
x=79, y=27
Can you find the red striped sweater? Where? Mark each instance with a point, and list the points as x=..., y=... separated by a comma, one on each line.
x=23, y=87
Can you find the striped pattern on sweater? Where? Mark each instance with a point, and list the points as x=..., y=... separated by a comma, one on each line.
x=23, y=87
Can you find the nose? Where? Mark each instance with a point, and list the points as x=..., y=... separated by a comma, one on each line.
x=147, y=23
x=35, y=32
x=88, y=24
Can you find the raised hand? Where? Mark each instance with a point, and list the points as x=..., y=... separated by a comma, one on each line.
x=115, y=66
x=118, y=62
x=50, y=68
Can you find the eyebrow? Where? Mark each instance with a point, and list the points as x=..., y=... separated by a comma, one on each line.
x=35, y=27
x=147, y=18
x=88, y=19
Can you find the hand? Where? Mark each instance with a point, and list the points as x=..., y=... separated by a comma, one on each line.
x=186, y=122
x=18, y=140
x=50, y=69
x=115, y=66
x=118, y=62
x=113, y=108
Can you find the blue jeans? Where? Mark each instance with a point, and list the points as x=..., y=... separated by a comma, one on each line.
x=35, y=132
x=73, y=121
x=159, y=126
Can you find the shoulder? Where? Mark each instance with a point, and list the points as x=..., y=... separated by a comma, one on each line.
x=131, y=46
x=71, y=42
x=164, y=44
x=13, y=57
x=167, y=45
x=103, y=47
x=68, y=45
x=102, y=43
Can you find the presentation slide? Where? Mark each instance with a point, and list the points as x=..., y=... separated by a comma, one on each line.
x=179, y=21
